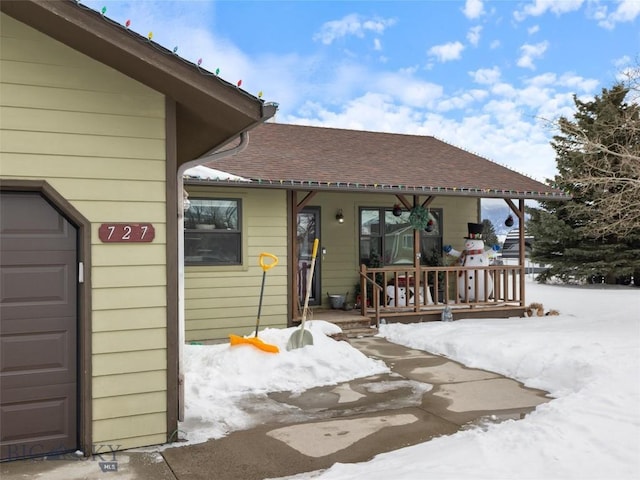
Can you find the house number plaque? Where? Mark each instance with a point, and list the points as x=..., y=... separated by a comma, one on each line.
x=126, y=232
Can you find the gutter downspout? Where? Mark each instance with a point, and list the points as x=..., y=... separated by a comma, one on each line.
x=208, y=157
x=268, y=110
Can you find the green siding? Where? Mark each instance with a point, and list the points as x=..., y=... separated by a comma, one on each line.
x=224, y=300
x=98, y=137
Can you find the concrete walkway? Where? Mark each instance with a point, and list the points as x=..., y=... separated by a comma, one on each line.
x=425, y=396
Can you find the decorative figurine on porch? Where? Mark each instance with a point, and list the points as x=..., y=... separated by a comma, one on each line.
x=474, y=254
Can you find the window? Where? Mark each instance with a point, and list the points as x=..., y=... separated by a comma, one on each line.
x=388, y=240
x=212, y=232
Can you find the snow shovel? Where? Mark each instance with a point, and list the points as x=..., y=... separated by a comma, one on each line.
x=255, y=341
x=301, y=338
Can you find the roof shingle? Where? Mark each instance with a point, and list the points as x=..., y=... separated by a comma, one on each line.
x=336, y=159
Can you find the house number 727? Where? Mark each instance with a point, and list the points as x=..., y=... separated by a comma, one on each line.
x=126, y=232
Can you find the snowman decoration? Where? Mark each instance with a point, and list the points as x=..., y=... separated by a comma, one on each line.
x=473, y=254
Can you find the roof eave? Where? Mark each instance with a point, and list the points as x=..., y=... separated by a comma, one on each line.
x=364, y=188
x=197, y=93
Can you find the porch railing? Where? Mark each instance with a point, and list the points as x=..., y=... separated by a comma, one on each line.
x=410, y=290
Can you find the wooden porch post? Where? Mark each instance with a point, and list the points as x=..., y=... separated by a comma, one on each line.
x=519, y=211
x=522, y=252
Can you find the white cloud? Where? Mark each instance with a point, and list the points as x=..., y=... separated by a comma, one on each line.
x=447, y=52
x=473, y=9
x=540, y=7
x=504, y=90
x=530, y=53
x=351, y=25
x=407, y=89
x=622, y=61
x=625, y=11
x=533, y=29
x=473, y=35
x=576, y=82
x=542, y=80
x=462, y=100
x=377, y=45
x=486, y=76
x=495, y=44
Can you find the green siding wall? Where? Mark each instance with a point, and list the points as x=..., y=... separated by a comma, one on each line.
x=224, y=300
x=98, y=138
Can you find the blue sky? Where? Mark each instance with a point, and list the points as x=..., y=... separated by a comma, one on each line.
x=486, y=76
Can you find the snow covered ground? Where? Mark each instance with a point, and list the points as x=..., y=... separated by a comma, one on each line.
x=588, y=358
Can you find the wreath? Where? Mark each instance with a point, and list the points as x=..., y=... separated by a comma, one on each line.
x=419, y=217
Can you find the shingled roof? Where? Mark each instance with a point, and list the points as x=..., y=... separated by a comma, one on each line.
x=319, y=158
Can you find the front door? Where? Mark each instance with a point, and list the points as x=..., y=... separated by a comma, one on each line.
x=38, y=328
x=308, y=231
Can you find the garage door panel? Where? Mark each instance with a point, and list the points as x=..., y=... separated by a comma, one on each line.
x=38, y=420
x=37, y=359
x=28, y=224
x=32, y=287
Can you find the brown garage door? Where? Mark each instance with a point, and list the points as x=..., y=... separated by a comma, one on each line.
x=38, y=327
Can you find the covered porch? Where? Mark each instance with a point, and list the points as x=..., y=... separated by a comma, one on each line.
x=417, y=292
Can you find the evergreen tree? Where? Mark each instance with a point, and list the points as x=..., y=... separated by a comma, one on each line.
x=489, y=233
x=597, y=155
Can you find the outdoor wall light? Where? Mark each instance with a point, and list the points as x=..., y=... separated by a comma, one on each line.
x=340, y=216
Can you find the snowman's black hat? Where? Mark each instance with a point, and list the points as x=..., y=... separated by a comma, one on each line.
x=475, y=231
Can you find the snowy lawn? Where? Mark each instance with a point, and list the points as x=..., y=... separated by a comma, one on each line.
x=588, y=358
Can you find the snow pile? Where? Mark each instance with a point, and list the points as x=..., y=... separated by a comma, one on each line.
x=219, y=378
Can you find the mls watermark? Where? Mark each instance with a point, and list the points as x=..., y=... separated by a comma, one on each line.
x=103, y=454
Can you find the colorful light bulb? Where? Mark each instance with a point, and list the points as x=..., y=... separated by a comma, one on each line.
x=199, y=61
x=127, y=23
x=104, y=10
x=150, y=35
x=239, y=82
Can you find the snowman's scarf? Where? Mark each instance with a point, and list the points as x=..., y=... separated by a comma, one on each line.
x=464, y=254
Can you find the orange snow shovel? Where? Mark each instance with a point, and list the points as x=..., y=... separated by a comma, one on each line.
x=255, y=341
x=301, y=337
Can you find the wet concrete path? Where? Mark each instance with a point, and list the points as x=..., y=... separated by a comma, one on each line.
x=424, y=396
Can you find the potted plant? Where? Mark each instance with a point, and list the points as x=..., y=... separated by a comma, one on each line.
x=434, y=259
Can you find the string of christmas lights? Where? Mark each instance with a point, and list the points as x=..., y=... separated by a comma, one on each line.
x=160, y=48
x=389, y=187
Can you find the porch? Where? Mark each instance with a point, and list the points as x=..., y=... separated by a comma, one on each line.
x=390, y=293
x=420, y=293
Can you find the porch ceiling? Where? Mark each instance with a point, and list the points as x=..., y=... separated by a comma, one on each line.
x=318, y=158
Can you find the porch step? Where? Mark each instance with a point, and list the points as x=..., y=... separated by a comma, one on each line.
x=356, y=327
x=352, y=323
x=361, y=332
